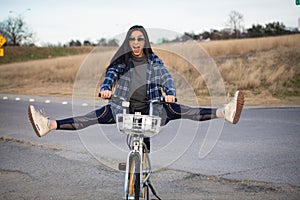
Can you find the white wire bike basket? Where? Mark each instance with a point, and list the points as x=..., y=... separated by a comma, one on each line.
x=138, y=124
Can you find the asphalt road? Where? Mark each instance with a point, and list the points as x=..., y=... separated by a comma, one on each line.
x=264, y=146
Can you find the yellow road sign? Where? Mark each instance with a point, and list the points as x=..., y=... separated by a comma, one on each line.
x=2, y=40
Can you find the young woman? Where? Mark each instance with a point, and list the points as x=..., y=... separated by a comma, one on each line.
x=138, y=76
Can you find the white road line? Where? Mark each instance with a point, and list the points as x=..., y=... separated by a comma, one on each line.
x=46, y=101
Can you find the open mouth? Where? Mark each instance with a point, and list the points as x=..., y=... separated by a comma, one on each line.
x=136, y=49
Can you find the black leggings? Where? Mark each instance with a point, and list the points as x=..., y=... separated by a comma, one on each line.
x=104, y=115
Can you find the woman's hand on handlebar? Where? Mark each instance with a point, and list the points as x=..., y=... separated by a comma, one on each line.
x=170, y=99
x=105, y=94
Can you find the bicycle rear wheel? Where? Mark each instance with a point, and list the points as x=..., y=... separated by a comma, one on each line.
x=134, y=177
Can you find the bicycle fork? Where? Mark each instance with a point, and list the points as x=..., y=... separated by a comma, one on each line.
x=137, y=161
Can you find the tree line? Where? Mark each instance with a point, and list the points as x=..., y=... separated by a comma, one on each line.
x=235, y=29
x=100, y=42
x=17, y=33
x=270, y=29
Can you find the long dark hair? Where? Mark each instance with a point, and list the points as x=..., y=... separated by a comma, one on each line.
x=124, y=52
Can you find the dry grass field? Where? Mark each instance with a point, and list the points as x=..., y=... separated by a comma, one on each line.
x=266, y=69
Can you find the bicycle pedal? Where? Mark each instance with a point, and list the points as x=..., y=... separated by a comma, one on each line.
x=122, y=166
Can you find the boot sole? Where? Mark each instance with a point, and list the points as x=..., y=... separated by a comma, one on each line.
x=32, y=122
x=239, y=107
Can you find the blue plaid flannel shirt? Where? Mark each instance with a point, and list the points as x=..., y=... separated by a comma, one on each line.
x=158, y=78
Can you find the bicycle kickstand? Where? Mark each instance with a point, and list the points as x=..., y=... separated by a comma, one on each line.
x=149, y=185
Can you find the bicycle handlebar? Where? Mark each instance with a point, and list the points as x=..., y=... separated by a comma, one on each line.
x=125, y=104
x=160, y=100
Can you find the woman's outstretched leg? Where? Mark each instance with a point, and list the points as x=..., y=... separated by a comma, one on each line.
x=177, y=111
x=99, y=116
x=43, y=125
x=231, y=112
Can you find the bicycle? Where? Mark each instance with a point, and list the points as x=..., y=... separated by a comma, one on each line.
x=138, y=127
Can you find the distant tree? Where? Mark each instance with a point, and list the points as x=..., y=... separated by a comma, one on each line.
x=112, y=42
x=102, y=42
x=225, y=33
x=87, y=43
x=194, y=36
x=73, y=43
x=78, y=43
x=206, y=35
x=235, y=23
x=215, y=34
x=256, y=31
x=186, y=36
x=275, y=28
x=15, y=31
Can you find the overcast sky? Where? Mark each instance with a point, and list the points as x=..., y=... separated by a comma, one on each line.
x=56, y=21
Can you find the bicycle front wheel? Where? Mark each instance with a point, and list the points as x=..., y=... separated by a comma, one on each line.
x=134, y=177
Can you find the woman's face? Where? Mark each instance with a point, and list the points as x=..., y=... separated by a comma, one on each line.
x=137, y=43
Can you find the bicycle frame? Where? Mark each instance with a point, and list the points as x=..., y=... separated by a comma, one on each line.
x=138, y=166
x=138, y=126
x=137, y=148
